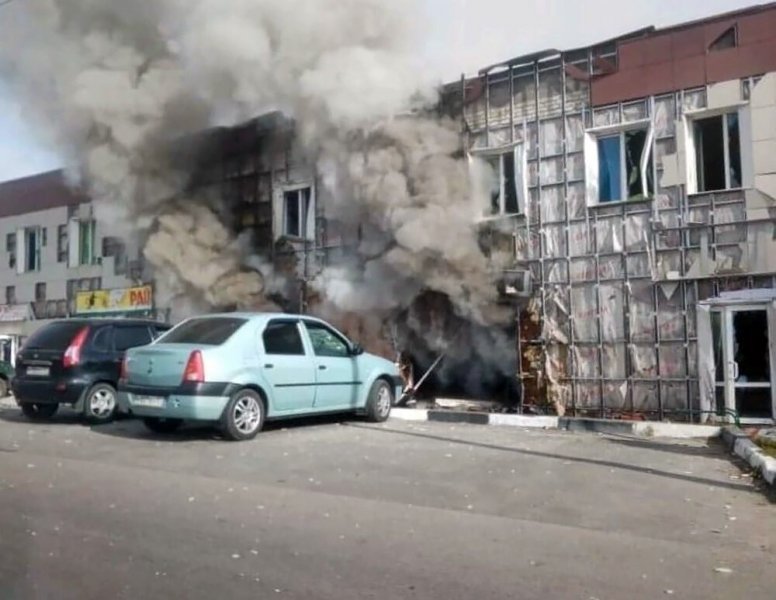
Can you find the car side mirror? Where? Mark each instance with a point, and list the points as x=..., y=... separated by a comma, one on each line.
x=356, y=350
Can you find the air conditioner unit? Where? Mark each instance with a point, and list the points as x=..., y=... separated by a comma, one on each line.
x=516, y=284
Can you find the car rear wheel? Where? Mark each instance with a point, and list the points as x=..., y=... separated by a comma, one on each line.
x=100, y=403
x=38, y=412
x=162, y=425
x=380, y=401
x=243, y=417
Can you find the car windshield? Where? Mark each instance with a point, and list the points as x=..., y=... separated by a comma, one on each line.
x=56, y=336
x=212, y=331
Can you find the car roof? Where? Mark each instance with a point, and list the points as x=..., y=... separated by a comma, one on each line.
x=256, y=316
x=101, y=321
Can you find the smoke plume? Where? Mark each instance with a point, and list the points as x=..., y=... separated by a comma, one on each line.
x=112, y=84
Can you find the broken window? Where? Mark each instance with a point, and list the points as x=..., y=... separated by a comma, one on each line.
x=507, y=182
x=727, y=40
x=625, y=166
x=718, y=153
x=297, y=212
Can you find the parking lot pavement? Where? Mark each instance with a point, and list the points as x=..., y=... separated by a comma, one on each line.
x=328, y=509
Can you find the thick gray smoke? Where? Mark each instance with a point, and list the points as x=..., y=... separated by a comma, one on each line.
x=112, y=83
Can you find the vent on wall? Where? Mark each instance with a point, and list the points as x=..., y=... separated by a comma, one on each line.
x=729, y=39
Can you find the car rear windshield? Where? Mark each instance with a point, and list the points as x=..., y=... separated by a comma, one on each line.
x=206, y=332
x=55, y=336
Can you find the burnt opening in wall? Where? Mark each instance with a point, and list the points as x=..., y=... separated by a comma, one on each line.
x=479, y=360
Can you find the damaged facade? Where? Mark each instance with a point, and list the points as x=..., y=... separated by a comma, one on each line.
x=632, y=187
x=644, y=178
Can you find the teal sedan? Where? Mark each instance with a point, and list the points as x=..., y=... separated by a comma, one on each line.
x=239, y=370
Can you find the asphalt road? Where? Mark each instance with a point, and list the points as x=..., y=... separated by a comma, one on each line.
x=353, y=511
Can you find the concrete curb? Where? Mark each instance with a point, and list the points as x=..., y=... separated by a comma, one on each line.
x=636, y=428
x=740, y=445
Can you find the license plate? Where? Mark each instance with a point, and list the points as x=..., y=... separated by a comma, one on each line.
x=148, y=401
x=38, y=371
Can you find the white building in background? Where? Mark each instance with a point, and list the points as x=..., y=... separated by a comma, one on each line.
x=52, y=251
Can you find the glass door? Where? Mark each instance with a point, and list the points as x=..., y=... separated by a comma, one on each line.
x=745, y=368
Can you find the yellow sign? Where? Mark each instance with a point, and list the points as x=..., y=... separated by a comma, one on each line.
x=113, y=301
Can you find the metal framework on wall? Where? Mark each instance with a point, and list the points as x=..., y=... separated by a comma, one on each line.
x=616, y=284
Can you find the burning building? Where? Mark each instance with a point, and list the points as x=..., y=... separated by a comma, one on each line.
x=627, y=228
x=589, y=229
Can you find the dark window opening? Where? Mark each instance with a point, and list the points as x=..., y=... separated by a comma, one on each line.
x=510, y=184
x=718, y=153
x=10, y=294
x=635, y=143
x=505, y=176
x=727, y=40
x=495, y=190
x=283, y=339
x=40, y=292
x=32, y=249
x=297, y=212
x=212, y=331
x=62, y=244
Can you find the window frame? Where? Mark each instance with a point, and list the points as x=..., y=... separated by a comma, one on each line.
x=87, y=254
x=306, y=230
x=517, y=151
x=592, y=162
x=691, y=151
x=62, y=236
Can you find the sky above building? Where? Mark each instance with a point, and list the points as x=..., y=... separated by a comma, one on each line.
x=461, y=36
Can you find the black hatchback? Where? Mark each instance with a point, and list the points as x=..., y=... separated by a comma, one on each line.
x=77, y=362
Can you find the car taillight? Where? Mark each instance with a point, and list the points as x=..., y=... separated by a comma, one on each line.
x=73, y=353
x=195, y=370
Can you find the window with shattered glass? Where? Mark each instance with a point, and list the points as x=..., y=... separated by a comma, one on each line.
x=625, y=166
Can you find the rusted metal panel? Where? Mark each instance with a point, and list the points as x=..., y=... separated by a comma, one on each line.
x=681, y=58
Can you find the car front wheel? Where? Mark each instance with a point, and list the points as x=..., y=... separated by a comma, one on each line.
x=243, y=417
x=38, y=412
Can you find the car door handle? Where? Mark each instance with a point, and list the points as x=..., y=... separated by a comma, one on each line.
x=269, y=366
x=322, y=367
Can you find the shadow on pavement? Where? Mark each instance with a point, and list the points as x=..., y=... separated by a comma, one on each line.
x=63, y=417
x=686, y=450
x=194, y=432
x=563, y=457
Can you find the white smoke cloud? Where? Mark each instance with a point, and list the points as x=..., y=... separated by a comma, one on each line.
x=113, y=83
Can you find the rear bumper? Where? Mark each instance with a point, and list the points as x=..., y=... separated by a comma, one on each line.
x=194, y=402
x=47, y=391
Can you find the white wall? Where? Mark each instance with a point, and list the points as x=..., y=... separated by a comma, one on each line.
x=53, y=273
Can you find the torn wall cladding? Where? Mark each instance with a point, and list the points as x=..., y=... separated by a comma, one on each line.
x=622, y=184
x=268, y=192
x=640, y=179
